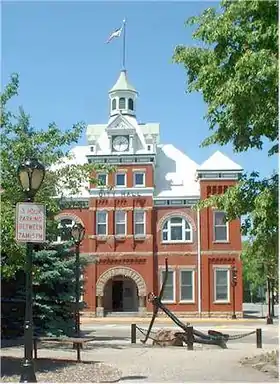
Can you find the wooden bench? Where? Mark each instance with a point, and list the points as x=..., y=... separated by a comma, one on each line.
x=77, y=342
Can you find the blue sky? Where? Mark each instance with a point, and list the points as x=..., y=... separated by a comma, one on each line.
x=66, y=69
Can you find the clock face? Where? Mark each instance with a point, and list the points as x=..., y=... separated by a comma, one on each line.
x=120, y=143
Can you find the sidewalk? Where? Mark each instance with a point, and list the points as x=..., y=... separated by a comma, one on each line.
x=145, y=364
x=166, y=320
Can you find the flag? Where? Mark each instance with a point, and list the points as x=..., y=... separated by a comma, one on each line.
x=116, y=33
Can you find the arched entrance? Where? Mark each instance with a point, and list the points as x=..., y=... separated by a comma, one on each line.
x=120, y=295
x=120, y=290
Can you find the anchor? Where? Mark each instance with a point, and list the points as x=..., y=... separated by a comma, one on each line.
x=212, y=338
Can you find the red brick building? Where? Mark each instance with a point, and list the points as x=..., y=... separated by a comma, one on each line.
x=149, y=216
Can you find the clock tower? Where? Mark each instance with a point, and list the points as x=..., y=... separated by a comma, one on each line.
x=123, y=131
x=122, y=97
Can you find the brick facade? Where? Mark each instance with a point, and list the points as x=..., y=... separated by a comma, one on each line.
x=142, y=259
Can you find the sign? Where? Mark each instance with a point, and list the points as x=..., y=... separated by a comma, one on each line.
x=107, y=193
x=30, y=223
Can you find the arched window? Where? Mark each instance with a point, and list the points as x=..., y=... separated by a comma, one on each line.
x=176, y=229
x=64, y=230
x=114, y=104
x=130, y=104
x=122, y=103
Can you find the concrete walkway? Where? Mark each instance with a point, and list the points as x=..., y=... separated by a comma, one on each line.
x=147, y=364
x=165, y=320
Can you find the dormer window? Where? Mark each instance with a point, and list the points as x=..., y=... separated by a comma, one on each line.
x=130, y=104
x=122, y=103
x=114, y=104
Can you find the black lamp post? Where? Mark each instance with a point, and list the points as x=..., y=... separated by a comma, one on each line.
x=31, y=174
x=78, y=234
x=269, y=318
x=233, y=283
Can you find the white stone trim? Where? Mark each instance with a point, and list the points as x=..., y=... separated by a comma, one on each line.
x=69, y=215
x=123, y=192
x=176, y=213
x=121, y=271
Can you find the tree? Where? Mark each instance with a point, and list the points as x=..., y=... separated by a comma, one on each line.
x=235, y=67
x=20, y=141
x=53, y=268
x=54, y=289
x=54, y=293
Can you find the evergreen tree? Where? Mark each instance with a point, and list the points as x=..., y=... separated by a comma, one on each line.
x=54, y=290
x=54, y=293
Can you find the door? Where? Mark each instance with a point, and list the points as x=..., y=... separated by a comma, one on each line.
x=117, y=296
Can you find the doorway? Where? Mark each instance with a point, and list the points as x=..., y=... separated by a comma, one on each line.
x=121, y=295
x=117, y=296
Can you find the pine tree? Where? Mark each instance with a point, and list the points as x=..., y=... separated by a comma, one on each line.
x=53, y=293
x=54, y=290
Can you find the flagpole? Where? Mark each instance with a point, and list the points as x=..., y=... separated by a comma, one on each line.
x=123, y=63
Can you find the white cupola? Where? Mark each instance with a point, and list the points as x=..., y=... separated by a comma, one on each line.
x=122, y=97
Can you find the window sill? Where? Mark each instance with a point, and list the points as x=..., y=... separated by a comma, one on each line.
x=221, y=242
x=186, y=302
x=221, y=302
x=120, y=237
x=101, y=238
x=140, y=238
x=177, y=242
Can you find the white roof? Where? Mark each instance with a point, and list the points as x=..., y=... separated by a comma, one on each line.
x=175, y=174
x=123, y=84
x=219, y=162
x=98, y=133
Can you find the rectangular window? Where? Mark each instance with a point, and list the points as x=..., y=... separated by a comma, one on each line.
x=139, y=223
x=187, y=285
x=120, y=223
x=102, y=179
x=139, y=179
x=169, y=291
x=120, y=179
x=221, y=284
x=220, y=226
x=101, y=222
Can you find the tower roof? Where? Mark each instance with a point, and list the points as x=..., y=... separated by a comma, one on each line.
x=219, y=162
x=123, y=84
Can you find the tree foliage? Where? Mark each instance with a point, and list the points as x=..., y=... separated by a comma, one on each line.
x=54, y=293
x=20, y=141
x=236, y=70
x=235, y=67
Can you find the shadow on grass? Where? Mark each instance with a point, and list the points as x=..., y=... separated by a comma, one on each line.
x=11, y=366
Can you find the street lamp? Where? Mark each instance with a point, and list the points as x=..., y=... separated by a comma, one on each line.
x=78, y=234
x=269, y=319
x=233, y=283
x=31, y=174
